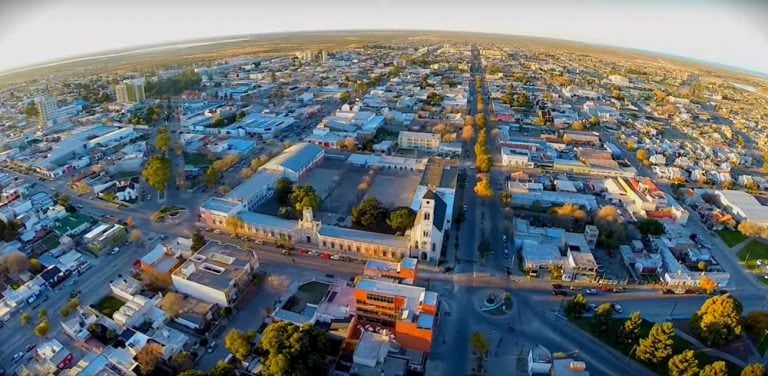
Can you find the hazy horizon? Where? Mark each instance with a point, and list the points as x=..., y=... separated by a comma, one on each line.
x=715, y=32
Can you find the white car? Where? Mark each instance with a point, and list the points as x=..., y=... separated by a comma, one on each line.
x=618, y=308
x=335, y=257
x=18, y=356
x=590, y=291
x=114, y=251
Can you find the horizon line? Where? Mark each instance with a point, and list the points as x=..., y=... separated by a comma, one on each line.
x=227, y=38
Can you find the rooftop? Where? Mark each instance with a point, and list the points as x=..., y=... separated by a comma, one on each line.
x=245, y=190
x=219, y=205
x=414, y=297
x=216, y=265
x=295, y=157
x=337, y=232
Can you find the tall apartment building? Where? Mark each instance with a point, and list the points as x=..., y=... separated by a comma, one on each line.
x=408, y=311
x=130, y=91
x=46, y=106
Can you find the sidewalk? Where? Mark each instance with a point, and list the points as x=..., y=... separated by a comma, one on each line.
x=714, y=352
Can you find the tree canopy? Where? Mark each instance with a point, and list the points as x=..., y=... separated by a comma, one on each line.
x=239, y=344
x=650, y=227
x=157, y=172
x=293, y=350
x=718, y=321
x=149, y=357
x=370, y=213
x=657, y=347
x=163, y=140
x=304, y=196
x=401, y=219
x=575, y=307
x=684, y=364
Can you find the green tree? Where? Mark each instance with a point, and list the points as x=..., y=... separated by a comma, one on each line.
x=401, y=219
x=756, y=369
x=42, y=315
x=479, y=343
x=25, y=318
x=198, y=241
x=194, y=372
x=630, y=331
x=293, y=350
x=683, y=364
x=304, y=196
x=718, y=321
x=222, y=369
x=163, y=140
x=234, y=224
x=601, y=320
x=157, y=172
x=756, y=323
x=211, y=177
x=31, y=112
x=283, y=190
x=657, y=347
x=42, y=329
x=718, y=368
x=345, y=96
x=484, y=247
x=650, y=227
x=575, y=307
x=238, y=344
x=369, y=213
x=434, y=98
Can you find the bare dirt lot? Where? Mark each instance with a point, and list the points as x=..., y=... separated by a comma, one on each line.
x=394, y=189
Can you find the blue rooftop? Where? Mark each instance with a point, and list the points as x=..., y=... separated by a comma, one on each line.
x=219, y=205
x=425, y=321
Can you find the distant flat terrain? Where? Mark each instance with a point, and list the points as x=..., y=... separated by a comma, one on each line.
x=209, y=50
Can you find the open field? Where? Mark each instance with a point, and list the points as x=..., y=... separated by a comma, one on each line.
x=394, y=189
x=730, y=237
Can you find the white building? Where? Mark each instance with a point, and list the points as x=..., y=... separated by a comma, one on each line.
x=216, y=273
x=427, y=232
x=744, y=206
x=418, y=140
x=130, y=91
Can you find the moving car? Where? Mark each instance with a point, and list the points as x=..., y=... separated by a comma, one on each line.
x=114, y=251
x=590, y=291
x=30, y=347
x=18, y=356
x=618, y=308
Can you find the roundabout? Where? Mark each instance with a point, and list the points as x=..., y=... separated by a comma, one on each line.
x=496, y=303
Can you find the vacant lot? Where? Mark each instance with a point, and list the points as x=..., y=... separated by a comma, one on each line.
x=394, y=189
x=730, y=237
x=345, y=194
x=323, y=180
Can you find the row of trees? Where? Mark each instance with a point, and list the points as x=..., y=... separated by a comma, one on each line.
x=212, y=175
x=716, y=323
x=371, y=214
x=285, y=349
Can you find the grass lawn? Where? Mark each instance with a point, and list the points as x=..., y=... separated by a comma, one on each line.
x=196, y=160
x=679, y=346
x=108, y=306
x=731, y=237
x=753, y=251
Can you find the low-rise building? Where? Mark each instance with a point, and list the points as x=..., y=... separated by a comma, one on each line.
x=217, y=273
x=418, y=140
x=403, y=271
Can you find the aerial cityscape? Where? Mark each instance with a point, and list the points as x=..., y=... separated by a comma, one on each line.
x=384, y=203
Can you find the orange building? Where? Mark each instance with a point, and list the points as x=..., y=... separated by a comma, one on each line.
x=408, y=311
x=400, y=272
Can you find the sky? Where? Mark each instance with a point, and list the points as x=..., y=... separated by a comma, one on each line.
x=726, y=32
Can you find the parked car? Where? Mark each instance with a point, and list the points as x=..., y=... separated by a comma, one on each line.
x=285, y=252
x=30, y=347
x=590, y=291
x=325, y=256
x=504, y=238
x=313, y=253
x=606, y=289
x=114, y=251
x=618, y=308
x=211, y=347
x=217, y=231
x=619, y=290
x=18, y=356
x=591, y=307
x=335, y=257
x=303, y=252
x=559, y=293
